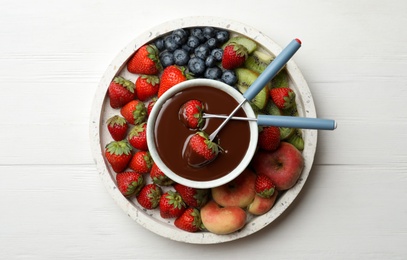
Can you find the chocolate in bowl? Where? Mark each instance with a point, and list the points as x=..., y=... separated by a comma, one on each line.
x=167, y=134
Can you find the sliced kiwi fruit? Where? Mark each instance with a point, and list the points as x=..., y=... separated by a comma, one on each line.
x=250, y=45
x=286, y=132
x=292, y=111
x=258, y=61
x=272, y=109
x=245, y=78
x=297, y=140
x=280, y=80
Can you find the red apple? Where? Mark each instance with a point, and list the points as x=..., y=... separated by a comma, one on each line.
x=222, y=220
x=261, y=205
x=283, y=166
x=238, y=192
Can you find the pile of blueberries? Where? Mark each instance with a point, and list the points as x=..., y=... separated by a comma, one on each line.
x=198, y=49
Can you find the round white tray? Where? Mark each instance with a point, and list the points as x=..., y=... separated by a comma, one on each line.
x=99, y=135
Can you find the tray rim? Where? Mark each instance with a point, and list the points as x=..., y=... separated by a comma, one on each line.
x=166, y=229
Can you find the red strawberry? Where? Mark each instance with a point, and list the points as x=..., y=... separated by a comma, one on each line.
x=193, y=197
x=118, y=154
x=191, y=113
x=200, y=150
x=141, y=162
x=134, y=112
x=145, y=61
x=234, y=55
x=149, y=196
x=264, y=187
x=190, y=220
x=171, y=205
x=158, y=177
x=129, y=183
x=117, y=127
x=283, y=97
x=147, y=86
x=121, y=91
x=137, y=137
x=151, y=105
x=171, y=76
x=269, y=138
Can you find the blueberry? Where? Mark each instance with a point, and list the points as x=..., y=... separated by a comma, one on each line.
x=213, y=73
x=212, y=43
x=229, y=77
x=222, y=36
x=159, y=43
x=181, y=57
x=170, y=44
x=179, y=36
x=198, y=32
x=166, y=58
x=208, y=32
x=196, y=66
x=187, y=49
x=193, y=42
x=217, y=54
x=210, y=61
x=202, y=51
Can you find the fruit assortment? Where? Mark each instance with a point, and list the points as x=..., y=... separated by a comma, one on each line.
x=216, y=54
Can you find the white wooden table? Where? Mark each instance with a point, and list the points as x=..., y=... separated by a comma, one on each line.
x=53, y=203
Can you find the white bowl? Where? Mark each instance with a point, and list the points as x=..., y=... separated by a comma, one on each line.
x=99, y=135
x=151, y=126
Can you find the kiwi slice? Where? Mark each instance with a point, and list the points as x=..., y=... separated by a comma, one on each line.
x=272, y=109
x=246, y=42
x=245, y=78
x=297, y=140
x=292, y=111
x=280, y=80
x=286, y=132
x=258, y=61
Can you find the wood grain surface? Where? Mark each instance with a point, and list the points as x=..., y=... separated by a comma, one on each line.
x=53, y=203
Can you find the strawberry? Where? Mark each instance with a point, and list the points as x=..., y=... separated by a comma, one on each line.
x=129, y=183
x=147, y=86
x=193, y=197
x=158, y=177
x=190, y=220
x=141, y=162
x=234, y=55
x=171, y=205
x=121, y=91
x=151, y=105
x=137, y=137
x=145, y=61
x=118, y=154
x=134, y=112
x=171, y=76
x=283, y=97
x=200, y=150
x=117, y=127
x=264, y=187
x=191, y=113
x=269, y=138
x=149, y=196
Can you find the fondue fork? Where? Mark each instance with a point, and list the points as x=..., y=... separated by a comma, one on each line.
x=271, y=70
x=284, y=121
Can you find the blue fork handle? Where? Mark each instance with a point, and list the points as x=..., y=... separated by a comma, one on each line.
x=272, y=69
x=296, y=122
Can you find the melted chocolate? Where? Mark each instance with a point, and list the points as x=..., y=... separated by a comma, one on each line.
x=171, y=135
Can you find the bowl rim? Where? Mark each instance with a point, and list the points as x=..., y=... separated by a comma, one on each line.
x=187, y=85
